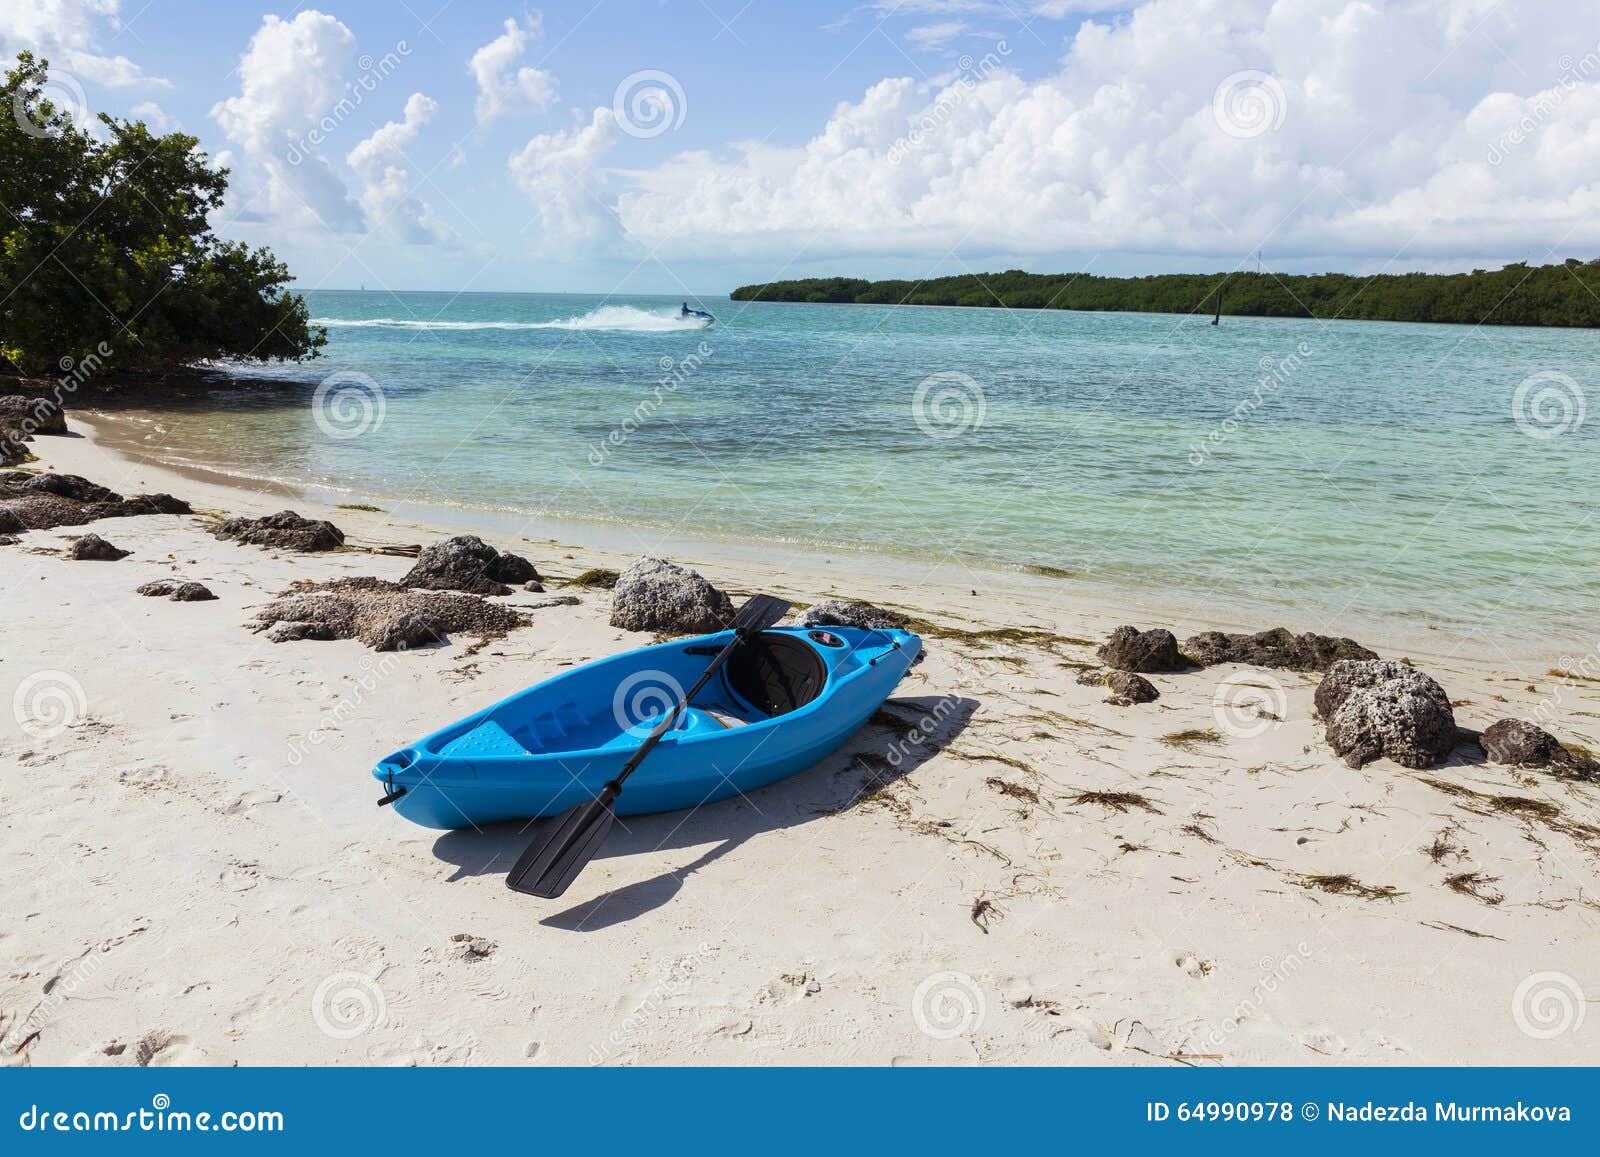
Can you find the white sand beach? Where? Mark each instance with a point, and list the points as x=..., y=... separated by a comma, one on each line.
x=198, y=873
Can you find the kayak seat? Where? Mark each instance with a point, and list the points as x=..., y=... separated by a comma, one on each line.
x=776, y=673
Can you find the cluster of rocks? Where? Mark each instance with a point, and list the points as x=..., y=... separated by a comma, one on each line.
x=1278, y=647
x=178, y=590
x=386, y=616
x=284, y=530
x=467, y=563
x=20, y=419
x=45, y=501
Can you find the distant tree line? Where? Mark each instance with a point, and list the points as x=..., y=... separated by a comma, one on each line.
x=1519, y=294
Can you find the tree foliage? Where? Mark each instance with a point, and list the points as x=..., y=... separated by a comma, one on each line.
x=105, y=244
x=1549, y=295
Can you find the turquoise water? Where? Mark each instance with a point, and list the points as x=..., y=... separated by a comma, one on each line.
x=1381, y=471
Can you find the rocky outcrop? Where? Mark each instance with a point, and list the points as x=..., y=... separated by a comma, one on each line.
x=1130, y=649
x=28, y=416
x=1278, y=647
x=10, y=523
x=384, y=615
x=1523, y=744
x=655, y=595
x=284, y=530
x=467, y=563
x=1380, y=708
x=852, y=613
x=1127, y=689
x=93, y=548
x=178, y=590
x=43, y=501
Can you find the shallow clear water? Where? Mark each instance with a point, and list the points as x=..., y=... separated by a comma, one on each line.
x=1382, y=473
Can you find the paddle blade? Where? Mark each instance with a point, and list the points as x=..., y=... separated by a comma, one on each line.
x=759, y=613
x=561, y=846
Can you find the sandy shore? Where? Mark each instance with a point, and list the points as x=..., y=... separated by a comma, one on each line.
x=198, y=873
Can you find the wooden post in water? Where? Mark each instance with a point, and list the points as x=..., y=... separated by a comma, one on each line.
x=1217, y=317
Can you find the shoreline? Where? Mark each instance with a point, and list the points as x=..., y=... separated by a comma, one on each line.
x=1193, y=880
x=949, y=587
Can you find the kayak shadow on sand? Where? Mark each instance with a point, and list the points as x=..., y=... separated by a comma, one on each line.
x=880, y=754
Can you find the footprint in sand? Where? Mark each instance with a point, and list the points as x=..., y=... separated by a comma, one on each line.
x=162, y=1048
x=251, y=800
x=1194, y=965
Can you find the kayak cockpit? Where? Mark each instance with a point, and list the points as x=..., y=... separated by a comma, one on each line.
x=771, y=675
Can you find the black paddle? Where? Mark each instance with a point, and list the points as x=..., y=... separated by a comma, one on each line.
x=563, y=844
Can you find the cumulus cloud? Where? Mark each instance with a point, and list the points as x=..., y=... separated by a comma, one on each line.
x=154, y=116
x=1312, y=127
x=291, y=94
x=561, y=174
x=933, y=36
x=381, y=164
x=67, y=33
x=503, y=87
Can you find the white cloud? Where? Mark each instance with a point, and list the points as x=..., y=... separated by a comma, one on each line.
x=932, y=36
x=381, y=163
x=67, y=33
x=502, y=86
x=292, y=93
x=154, y=116
x=560, y=172
x=1380, y=131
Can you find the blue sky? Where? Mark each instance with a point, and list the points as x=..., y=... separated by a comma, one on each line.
x=878, y=139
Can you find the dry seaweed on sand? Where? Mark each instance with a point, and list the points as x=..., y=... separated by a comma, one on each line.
x=984, y=910
x=1118, y=801
x=989, y=757
x=1342, y=884
x=1444, y=847
x=1191, y=737
x=986, y=637
x=1519, y=807
x=1476, y=885
x=1014, y=790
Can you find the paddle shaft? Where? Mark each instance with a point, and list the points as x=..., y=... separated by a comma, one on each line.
x=665, y=725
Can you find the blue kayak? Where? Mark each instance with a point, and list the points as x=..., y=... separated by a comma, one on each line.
x=784, y=700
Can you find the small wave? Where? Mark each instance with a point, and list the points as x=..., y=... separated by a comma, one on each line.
x=614, y=317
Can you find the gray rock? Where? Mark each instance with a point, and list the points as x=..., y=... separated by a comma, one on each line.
x=44, y=511
x=400, y=632
x=28, y=416
x=178, y=590
x=467, y=563
x=1523, y=744
x=536, y=587
x=655, y=595
x=1127, y=689
x=1130, y=649
x=1376, y=708
x=1278, y=647
x=42, y=501
x=1093, y=677
x=9, y=540
x=137, y=505
x=285, y=530
x=852, y=613
x=91, y=547
x=10, y=523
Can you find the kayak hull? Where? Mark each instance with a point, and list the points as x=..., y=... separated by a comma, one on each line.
x=556, y=744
